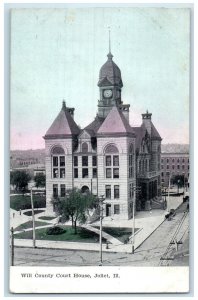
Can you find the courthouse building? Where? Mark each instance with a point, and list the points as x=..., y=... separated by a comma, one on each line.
x=108, y=157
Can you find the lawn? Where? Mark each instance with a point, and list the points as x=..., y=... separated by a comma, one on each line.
x=47, y=218
x=28, y=224
x=120, y=233
x=18, y=202
x=36, y=211
x=83, y=235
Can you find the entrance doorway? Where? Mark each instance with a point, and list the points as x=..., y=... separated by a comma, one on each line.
x=108, y=210
x=85, y=189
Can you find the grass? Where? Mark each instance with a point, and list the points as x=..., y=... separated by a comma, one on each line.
x=47, y=218
x=18, y=202
x=83, y=235
x=28, y=224
x=120, y=233
x=37, y=211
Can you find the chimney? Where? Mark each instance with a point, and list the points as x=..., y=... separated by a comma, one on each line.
x=69, y=109
x=146, y=120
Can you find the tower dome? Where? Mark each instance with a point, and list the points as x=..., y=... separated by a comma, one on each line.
x=110, y=72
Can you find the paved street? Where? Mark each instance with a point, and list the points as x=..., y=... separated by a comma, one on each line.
x=147, y=254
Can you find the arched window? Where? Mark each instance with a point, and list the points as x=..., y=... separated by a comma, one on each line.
x=58, y=162
x=131, y=161
x=112, y=161
x=84, y=147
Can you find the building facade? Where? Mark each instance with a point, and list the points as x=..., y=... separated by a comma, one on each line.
x=108, y=157
x=173, y=164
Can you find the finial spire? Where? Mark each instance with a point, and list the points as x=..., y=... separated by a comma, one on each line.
x=64, y=105
x=110, y=56
x=109, y=39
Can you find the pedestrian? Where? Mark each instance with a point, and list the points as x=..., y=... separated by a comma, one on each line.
x=13, y=215
x=20, y=212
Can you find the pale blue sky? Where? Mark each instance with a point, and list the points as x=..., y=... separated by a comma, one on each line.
x=56, y=54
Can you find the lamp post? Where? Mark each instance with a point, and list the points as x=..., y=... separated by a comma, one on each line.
x=101, y=200
x=33, y=220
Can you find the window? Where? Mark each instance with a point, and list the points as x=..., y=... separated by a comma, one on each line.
x=173, y=160
x=84, y=161
x=115, y=173
x=108, y=161
x=162, y=174
x=55, y=172
x=75, y=161
x=112, y=162
x=173, y=167
x=58, y=162
x=162, y=166
x=84, y=147
x=62, y=172
x=178, y=167
x=84, y=173
x=116, y=209
x=108, y=191
x=167, y=167
x=116, y=191
x=162, y=160
x=94, y=161
x=131, y=158
x=62, y=161
x=167, y=160
x=55, y=161
x=108, y=173
x=55, y=190
x=116, y=160
x=182, y=167
x=131, y=191
x=183, y=160
x=167, y=173
x=94, y=172
x=75, y=173
x=178, y=160
x=62, y=188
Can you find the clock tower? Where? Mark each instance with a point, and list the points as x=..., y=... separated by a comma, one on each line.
x=110, y=86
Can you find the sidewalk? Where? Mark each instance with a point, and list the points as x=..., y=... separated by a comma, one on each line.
x=146, y=221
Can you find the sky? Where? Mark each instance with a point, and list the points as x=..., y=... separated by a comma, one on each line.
x=56, y=54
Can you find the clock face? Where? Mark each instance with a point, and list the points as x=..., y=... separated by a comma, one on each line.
x=107, y=93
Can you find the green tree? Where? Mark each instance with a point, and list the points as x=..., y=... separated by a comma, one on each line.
x=20, y=180
x=75, y=206
x=39, y=180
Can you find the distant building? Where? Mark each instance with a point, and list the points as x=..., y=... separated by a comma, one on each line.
x=174, y=164
x=108, y=157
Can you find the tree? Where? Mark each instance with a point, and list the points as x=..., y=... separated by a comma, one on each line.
x=20, y=180
x=39, y=180
x=76, y=206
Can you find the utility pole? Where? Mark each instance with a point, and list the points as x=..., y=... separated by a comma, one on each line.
x=12, y=246
x=136, y=190
x=33, y=220
x=101, y=200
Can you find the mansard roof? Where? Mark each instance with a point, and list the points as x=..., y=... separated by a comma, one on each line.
x=115, y=124
x=63, y=126
x=110, y=72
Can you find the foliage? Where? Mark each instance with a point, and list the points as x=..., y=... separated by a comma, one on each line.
x=75, y=205
x=40, y=180
x=47, y=218
x=179, y=180
x=20, y=180
x=83, y=235
x=55, y=230
x=18, y=202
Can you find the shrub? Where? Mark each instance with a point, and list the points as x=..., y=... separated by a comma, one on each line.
x=18, y=202
x=55, y=230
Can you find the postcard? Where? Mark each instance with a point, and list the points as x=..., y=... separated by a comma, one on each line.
x=99, y=150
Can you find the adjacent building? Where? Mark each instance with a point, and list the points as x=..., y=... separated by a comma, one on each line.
x=108, y=157
x=174, y=164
